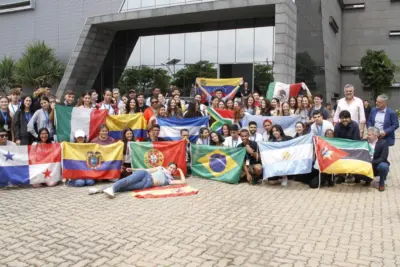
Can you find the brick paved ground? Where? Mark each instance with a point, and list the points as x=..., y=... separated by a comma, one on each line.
x=225, y=225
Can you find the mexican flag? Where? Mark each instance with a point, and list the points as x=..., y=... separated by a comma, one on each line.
x=147, y=155
x=283, y=91
x=221, y=117
x=340, y=156
x=70, y=119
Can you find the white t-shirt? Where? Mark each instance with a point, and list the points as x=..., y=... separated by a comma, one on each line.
x=320, y=130
x=13, y=108
x=257, y=138
x=108, y=107
x=230, y=143
x=265, y=137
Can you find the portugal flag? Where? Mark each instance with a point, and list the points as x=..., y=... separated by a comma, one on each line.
x=147, y=155
x=339, y=156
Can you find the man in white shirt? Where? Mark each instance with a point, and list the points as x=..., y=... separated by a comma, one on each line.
x=233, y=140
x=354, y=105
x=254, y=136
x=320, y=126
x=15, y=96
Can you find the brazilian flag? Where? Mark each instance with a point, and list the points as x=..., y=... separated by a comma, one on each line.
x=217, y=163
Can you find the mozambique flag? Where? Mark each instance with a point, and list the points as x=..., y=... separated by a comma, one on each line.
x=92, y=161
x=336, y=155
x=147, y=155
x=117, y=123
x=217, y=163
x=221, y=117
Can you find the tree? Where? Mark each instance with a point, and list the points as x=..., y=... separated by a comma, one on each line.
x=7, y=68
x=377, y=71
x=305, y=70
x=144, y=77
x=39, y=65
x=184, y=78
x=263, y=76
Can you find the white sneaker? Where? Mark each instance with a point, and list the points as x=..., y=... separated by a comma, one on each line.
x=94, y=190
x=284, y=181
x=109, y=192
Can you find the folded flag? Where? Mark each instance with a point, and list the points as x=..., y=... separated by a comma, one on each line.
x=92, y=161
x=35, y=164
x=283, y=91
x=226, y=85
x=70, y=119
x=166, y=191
x=221, y=117
x=287, y=158
x=217, y=163
x=117, y=123
x=288, y=123
x=171, y=127
x=339, y=156
x=147, y=155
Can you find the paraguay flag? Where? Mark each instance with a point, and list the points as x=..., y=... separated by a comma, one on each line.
x=117, y=123
x=171, y=127
x=35, y=164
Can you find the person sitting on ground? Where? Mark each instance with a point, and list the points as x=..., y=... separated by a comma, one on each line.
x=103, y=138
x=4, y=138
x=44, y=137
x=127, y=136
x=142, y=179
x=254, y=136
x=320, y=125
x=216, y=139
x=252, y=168
x=329, y=133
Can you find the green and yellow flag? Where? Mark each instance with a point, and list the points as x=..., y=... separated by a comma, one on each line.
x=217, y=163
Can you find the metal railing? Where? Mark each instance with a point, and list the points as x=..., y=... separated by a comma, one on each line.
x=131, y=5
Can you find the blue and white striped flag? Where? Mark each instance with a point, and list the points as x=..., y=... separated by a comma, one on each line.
x=171, y=127
x=287, y=158
x=288, y=123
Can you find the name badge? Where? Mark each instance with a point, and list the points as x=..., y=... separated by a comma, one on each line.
x=247, y=162
x=5, y=127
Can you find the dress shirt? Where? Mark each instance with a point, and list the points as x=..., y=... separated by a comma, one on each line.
x=355, y=107
x=380, y=118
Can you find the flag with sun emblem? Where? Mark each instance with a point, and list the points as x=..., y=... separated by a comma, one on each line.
x=217, y=163
x=35, y=164
x=287, y=158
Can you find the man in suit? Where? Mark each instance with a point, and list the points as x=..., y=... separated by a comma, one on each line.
x=385, y=119
x=380, y=161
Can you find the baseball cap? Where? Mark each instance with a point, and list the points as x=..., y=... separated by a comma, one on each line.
x=79, y=133
x=132, y=91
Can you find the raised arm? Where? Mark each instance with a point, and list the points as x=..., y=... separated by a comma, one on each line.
x=201, y=88
x=182, y=176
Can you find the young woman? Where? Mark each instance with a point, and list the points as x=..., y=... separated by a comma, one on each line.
x=85, y=101
x=221, y=104
x=275, y=107
x=193, y=110
x=41, y=119
x=238, y=114
x=204, y=136
x=299, y=101
x=267, y=127
x=279, y=136
x=21, y=120
x=216, y=139
x=306, y=106
x=108, y=103
x=5, y=118
x=293, y=105
x=44, y=137
x=300, y=129
x=159, y=112
x=142, y=179
x=329, y=133
x=94, y=97
x=103, y=138
x=214, y=101
x=226, y=130
x=265, y=107
x=229, y=104
x=286, y=111
x=130, y=107
x=173, y=110
x=250, y=106
x=127, y=136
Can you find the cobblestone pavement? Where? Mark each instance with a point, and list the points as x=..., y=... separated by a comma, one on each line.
x=224, y=225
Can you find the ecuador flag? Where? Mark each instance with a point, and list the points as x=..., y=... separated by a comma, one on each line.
x=117, y=123
x=218, y=163
x=221, y=117
x=337, y=156
x=92, y=161
x=153, y=154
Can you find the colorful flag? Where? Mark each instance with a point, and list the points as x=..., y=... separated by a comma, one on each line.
x=340, y=156
x=147, y=155
x=221, y=117
x=217, y=163
x=226, y=85
x=117, y=123
x=70, y=119
x=92, y=161
x=177, y=190
x=171, y=127
x=35, y=164
x=283, y=91
x=288, y=123
x=287, y=158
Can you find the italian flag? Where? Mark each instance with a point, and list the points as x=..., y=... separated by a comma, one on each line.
x=70, y=119
x=221, y=117
x=283, y=91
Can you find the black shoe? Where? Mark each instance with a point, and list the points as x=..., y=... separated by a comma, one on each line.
x=357, y=180
x=331, y=183
x=367, y=183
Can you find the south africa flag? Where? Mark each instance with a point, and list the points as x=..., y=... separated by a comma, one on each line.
x=217, y=163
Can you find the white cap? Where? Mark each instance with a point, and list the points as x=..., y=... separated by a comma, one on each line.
x=79, y=133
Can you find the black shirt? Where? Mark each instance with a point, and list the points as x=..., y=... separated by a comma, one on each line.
x=141, y=109
x=254, y=146
x=351, y=131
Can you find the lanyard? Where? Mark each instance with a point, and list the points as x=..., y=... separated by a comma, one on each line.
x=234, y=144
x=5, y=117
x=109, y=107
x=28, y=116
x=47, y=117
x=319, y=130
x=12, y=107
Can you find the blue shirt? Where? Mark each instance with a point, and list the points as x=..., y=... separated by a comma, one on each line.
x=380, y=118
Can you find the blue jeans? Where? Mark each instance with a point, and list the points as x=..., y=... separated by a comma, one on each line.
x=135, y=181
x=383, y=170
x=81, y=182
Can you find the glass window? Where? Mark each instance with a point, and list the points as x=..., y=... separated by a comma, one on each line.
x=226, y=46
x=148, y=3
x=161, y=49
x=244, y=45
x=162, y=3
x=134, y=60
x=192, y=47
x=209, y=46
x=264, y=44
x=131, y=4
x=176, y=2
x=147, y=50
x=177, y=47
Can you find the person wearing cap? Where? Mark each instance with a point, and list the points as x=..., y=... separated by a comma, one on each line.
x=218, y=91
x=80, y=138
x=4, y=138
x=234, y=139
x=132, y=93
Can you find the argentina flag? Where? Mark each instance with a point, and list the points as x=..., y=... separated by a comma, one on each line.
x=287, y=158
x=171, y=127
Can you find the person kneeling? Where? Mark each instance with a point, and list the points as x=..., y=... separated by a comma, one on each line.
x=380, y=162
x=252, y=168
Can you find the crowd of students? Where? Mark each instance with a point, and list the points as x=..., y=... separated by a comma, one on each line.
x=30, y=120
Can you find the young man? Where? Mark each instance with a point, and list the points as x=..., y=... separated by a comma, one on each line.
x=141, y=106
x=117, y=96
x=252, y=168
x=13, y=106
x=320, y=126
x=69, y=98
x=380, y=161
x=347, y=128
x=185, y=136
x=233, y=140
x=318, y=99
x=132, y=93
x=4, y=138
x=218, y=92
x=153, y=133
x=156, y=92
x=149, y=112
x=254, y=136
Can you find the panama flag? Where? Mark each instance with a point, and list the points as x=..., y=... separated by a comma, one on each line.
x=217, y=163
x=283, y=91
x=117, y=123
x=35, y=164
x=288, y=123
x=171, y=127
x=153, y=154
x=70, y=119
x=221, y=117
x=287, y=158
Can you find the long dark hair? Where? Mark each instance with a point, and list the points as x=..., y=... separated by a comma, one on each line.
x=48, y=135
x=22, y=107
x=125, y=140
x=128, y=103
x=220, y=139
x=192, y=112
x=177, y=110
x=280, y=130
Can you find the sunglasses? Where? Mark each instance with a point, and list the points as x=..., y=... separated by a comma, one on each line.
x=3, y=135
